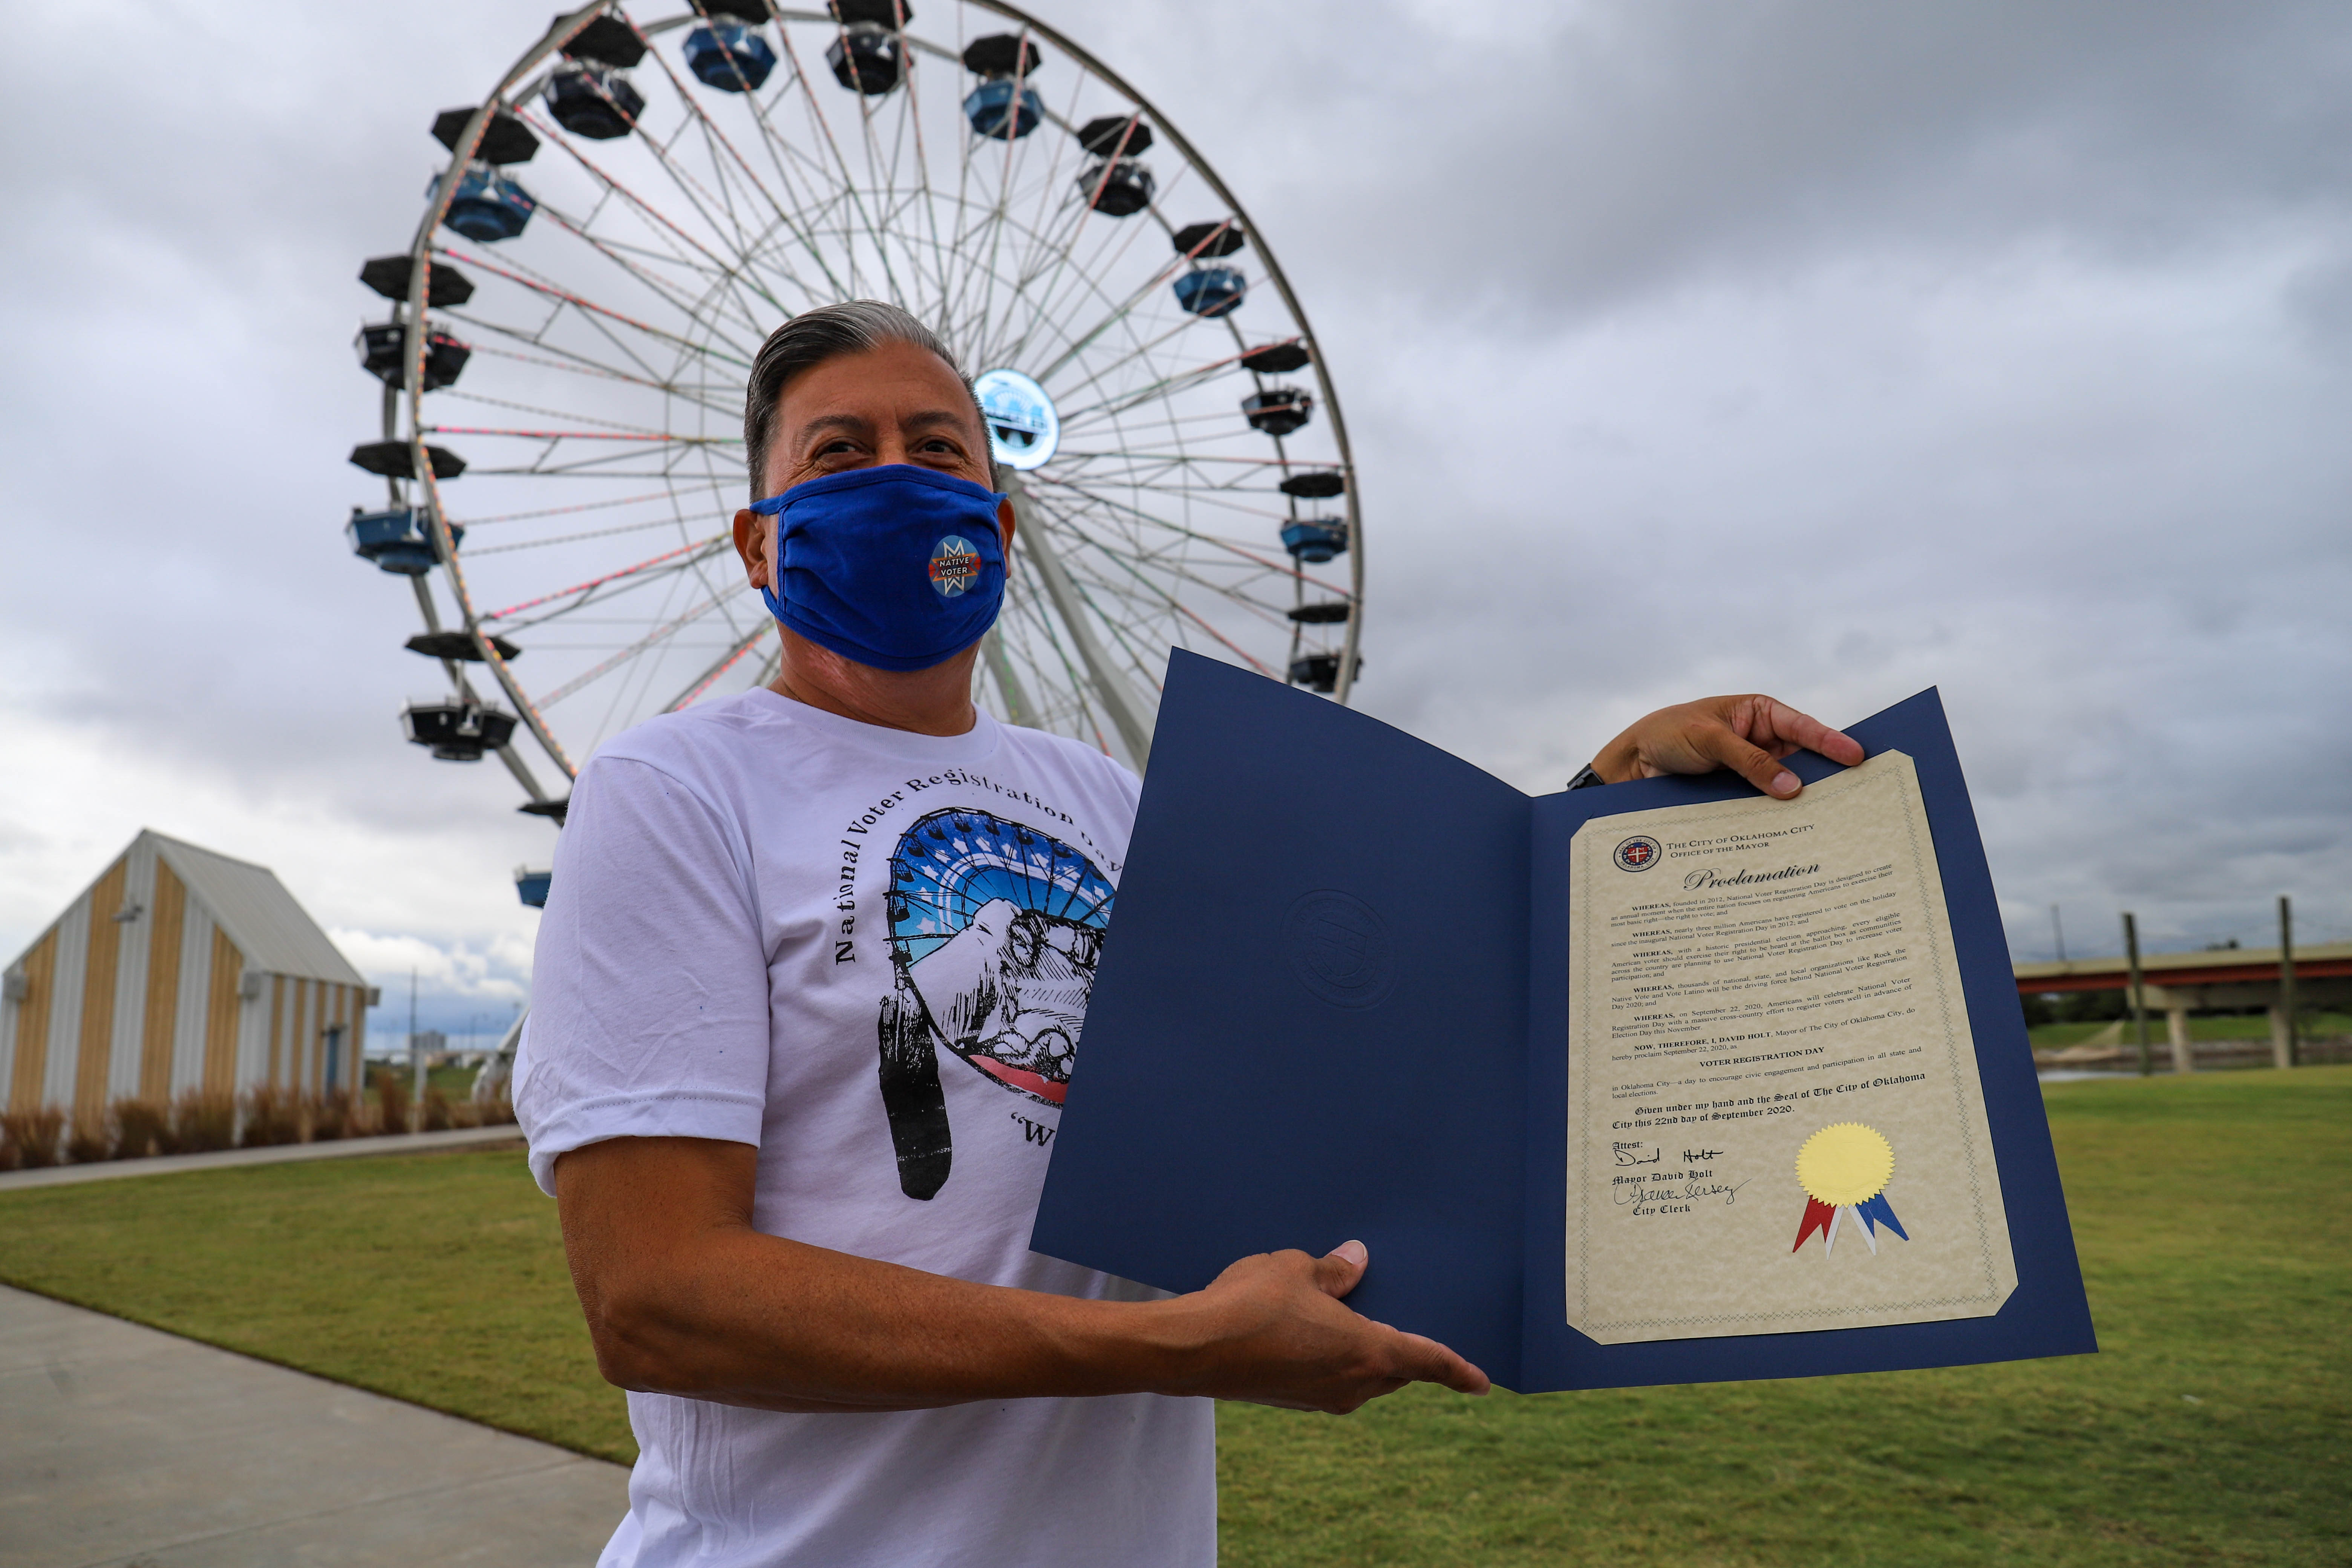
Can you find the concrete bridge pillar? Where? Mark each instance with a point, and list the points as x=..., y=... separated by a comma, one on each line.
x=2176, y=1024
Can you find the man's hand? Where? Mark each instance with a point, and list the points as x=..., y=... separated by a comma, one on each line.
x=1277, y=1334
x=1747, y=734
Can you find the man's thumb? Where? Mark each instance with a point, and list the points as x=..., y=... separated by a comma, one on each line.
x=1338, y=1271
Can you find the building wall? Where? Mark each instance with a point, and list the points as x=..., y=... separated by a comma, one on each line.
x=166, y=915
x=153, y=1007
x=28, y=1026
x=65, y=1009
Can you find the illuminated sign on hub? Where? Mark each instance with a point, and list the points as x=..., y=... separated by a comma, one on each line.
x=1023, y=428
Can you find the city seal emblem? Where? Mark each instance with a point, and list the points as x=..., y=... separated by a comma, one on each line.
x=1638, y=853
x=955, y=567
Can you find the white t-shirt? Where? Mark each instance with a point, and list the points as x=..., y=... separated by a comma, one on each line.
x=866, y=953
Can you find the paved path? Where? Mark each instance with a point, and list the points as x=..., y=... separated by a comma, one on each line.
x=124, y=1447
x=268, y=1154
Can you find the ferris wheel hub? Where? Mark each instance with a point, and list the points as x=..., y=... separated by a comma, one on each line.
x=1023, y=427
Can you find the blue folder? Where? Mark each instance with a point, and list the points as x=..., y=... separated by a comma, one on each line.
x=1242, y=1090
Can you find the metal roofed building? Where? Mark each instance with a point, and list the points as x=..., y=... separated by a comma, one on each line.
x=178, y=969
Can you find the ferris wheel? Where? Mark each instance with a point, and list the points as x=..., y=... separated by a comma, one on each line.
x=640, y=200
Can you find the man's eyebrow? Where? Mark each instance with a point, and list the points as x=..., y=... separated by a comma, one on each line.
x=927, y=419
x=833, y=422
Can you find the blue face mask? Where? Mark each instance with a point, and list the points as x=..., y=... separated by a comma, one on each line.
x=898, y=567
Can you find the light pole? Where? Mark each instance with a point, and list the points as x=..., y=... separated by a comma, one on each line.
x=2138, y=1010
x=415, y=1058
x=2286, y=979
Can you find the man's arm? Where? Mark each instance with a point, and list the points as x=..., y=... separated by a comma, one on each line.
x=1749, y=734
x=684, y=1297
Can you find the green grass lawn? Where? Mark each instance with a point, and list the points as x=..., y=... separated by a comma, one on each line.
x=2215, y=1426
x=2220, y=1027
x=432, y=1277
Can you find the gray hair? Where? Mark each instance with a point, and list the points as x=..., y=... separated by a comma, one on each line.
x=827, y=333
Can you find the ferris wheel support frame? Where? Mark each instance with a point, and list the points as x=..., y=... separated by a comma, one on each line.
x=1130, y=716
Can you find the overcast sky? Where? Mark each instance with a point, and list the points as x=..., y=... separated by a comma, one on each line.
x=1831, y=349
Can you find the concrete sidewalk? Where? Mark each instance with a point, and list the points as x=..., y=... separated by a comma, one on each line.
x=124, y=1447
x=267, y=1154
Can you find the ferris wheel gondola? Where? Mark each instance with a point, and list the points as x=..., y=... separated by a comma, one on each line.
x=636, y=203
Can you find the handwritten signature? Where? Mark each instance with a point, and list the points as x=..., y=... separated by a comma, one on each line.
x=1626, y=1156
x=1689, y=1192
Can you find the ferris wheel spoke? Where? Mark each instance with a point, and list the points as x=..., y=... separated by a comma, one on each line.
x=1178, y=460
x=713, y=132
x=1141, y=350
x=592, y=467
x=926, y=204
x=1079, y=342
x=1227, y=545
x=602, y=667
x=849, y=185
x=881, y=229
x=1112, y=247
x=1047, y=244
x=725, y=662
x=712, y=265
x=1224, y=500
x=1125, y=238
x=1122, y=628
x=1143, y=583
x=655, y=438
x=1163, y=386
x=577, y=507
x=998, y=217
x=1184, y=615
x=716, y=142
x=594, y=584
x=458, y=396
x=637, y=676
x=601, y=314
x=1236, y=492
x=680, y=249
x=968, y=285
x=784, y=155
x=620, y=255
x=575, y=363
x=475, y=554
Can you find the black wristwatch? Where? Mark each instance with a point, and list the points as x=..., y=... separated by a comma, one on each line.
x=1586, y=778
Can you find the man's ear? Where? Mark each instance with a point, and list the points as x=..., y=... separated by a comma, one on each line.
x=753, y=534
x=1004, y=521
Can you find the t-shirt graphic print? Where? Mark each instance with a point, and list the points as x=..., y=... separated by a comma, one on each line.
x=995, y=929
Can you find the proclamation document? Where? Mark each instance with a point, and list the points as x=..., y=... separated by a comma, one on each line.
x=1775, y=1123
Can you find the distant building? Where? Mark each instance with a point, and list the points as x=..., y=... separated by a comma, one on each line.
x=178, y=969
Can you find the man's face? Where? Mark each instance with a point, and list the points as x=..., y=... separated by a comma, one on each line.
x=899, y=404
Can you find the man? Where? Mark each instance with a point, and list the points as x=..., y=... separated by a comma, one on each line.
x=807, y=992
